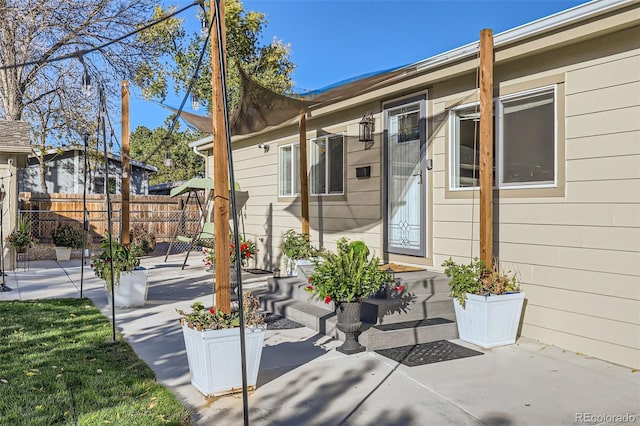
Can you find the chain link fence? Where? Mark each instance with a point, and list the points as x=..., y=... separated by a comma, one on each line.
x=164, y=225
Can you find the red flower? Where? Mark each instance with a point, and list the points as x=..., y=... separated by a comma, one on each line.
x=309, y=287
x=327, y=299
x=310, y=279
x=244, y=247
x=212, y=310
x=399, y=288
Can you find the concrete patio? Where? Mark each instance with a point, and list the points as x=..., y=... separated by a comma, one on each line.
x=304, y=381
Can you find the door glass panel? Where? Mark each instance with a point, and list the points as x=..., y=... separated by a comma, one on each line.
x=404, y=200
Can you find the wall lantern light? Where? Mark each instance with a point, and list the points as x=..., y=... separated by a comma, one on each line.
x=195, y=102
x=86, y=83
x=168, y=161
x=366, y=128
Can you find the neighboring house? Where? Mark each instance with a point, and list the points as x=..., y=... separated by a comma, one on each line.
x=567, y=172
x=15, y=146
x=64, y=173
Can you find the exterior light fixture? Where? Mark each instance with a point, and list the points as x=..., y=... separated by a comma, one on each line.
x=366, y=128
x=86, y=83
x=168, y=161
x=195, y=102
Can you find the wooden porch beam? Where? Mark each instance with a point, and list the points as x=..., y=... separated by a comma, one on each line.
x=126, y=169
x=304, y=181
x=220, y=172
x=486, y=147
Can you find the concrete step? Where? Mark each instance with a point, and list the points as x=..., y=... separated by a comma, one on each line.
x=408, y=333
x=407, y=307
x=382, y=335
x=421, y=282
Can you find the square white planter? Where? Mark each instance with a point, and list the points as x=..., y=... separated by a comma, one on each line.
x=63, y=253
x=293, y=264
x=215, y=362
x=132, y=290
x=489, y=321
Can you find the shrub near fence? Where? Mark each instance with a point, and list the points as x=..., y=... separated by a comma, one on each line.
x=157, y=214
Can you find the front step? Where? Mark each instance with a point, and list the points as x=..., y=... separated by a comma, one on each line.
x=403, y=319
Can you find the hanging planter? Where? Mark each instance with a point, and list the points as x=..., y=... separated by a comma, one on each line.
x=132, y=290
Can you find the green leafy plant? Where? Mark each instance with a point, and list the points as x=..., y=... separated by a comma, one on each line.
x=124, y=260
x=347, y=275
x=66, y=236
x=476, y=278
x=201, y=318
x=296, y=245
x=21, y=238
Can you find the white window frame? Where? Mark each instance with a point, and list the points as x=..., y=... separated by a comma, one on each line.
x=295, y=171
x=499, y=142
x=328, y=165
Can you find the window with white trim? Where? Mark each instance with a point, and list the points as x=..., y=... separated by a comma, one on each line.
x=327, y=165
x=289, y=170
x=525, y=142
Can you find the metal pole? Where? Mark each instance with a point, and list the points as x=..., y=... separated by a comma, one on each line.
x=238, y=269
x=109, y=213
x=3, y=285
x=85, y=222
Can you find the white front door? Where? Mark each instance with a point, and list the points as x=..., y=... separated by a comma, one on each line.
x=405, y=177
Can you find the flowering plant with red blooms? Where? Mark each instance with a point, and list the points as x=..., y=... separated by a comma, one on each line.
x=201, y=318
x=347, y=275
x=247, y=251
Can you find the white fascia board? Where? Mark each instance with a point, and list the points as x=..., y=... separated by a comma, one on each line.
x=200, y=142
x=531, y=29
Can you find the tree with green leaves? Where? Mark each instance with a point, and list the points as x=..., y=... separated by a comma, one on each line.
x=186, y=163
x=268, y=64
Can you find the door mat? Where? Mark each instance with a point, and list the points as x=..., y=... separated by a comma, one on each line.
x=428, y=353
x=412, y=324
x=278, y=322
x=257, y=271
x=394, y=267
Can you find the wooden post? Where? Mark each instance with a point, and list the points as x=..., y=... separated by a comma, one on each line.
x=304, y=181
x=126, y=168
x=220, y=172
x=486, y=147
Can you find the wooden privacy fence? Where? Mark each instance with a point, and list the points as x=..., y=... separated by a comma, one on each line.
x=156, y=214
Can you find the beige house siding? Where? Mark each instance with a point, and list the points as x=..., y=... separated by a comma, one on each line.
x=267, y=217
x=578, y=255
x=575, y=247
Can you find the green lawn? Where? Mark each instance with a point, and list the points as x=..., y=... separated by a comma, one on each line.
x=59, y=366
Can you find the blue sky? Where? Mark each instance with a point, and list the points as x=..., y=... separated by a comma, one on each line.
x=335, y=40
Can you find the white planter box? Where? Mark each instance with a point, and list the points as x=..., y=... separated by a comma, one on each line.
x=132, y=290
x=63, y=253
x=293, y=264
x=215, y=362
x=489, y=321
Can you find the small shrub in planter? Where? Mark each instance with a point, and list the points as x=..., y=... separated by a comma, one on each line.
x=143, y=239
x=476, y=278
x=21, y=239
x=124, y=260
x=67, y=236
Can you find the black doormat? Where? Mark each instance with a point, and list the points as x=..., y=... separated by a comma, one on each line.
x=278, y=322
x=428, y=353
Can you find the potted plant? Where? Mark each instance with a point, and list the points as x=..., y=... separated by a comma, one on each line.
x=298, y=251
x=21, y=238
x=65, y=238
x=345, y=278
x=129, y=279
x=212, y=343
x=247, y=252
x=487, y=302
